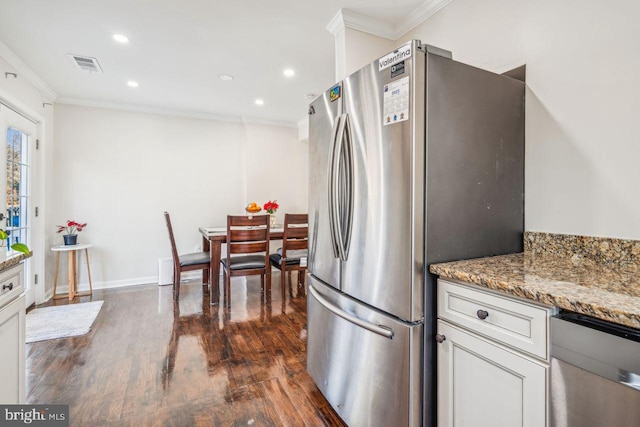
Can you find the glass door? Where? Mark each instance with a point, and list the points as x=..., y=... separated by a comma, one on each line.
x=19, y=135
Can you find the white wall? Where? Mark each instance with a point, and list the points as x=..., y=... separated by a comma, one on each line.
x=583, y=102
x=362, y=48
x=277, y=168
x=119, y=171
x=485, y=34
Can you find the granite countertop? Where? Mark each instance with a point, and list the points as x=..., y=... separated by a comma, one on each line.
x=605, y=290
x=12, y=259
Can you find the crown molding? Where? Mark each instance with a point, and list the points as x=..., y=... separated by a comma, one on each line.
x=25, y=71
x=173, y=112
x=418, y=16
x=346, y=18
x=336, y=24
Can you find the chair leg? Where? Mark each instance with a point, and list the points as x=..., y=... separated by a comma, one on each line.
x=224, y=287
x=290, y=284
x=300, y=277
x=173, y=283
x=205, y=278
x=227, y=288
x=268, y=277
x=283, y=283
x=303, y=276
x=176, y=283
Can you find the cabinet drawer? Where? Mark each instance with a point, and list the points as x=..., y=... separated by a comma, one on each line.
x=11, y=284
x=517, y=324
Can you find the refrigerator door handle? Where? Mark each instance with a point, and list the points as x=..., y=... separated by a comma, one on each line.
x=377, y=329
x=333, y=170
x=337, y=189
x=348, y=161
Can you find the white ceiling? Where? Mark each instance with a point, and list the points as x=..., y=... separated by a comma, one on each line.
x=178, y=49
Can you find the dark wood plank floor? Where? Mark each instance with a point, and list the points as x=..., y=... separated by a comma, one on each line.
x=148, y=361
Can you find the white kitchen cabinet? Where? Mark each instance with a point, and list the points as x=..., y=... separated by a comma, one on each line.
x=493, y=359
x=12, y=336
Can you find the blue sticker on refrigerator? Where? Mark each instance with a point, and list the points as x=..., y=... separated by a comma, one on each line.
x=334, y=93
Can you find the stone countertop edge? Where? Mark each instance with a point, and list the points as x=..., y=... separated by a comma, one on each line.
x=13, y=260
x=610, y=293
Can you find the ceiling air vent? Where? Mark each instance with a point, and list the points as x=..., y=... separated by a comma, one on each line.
x=87, y=63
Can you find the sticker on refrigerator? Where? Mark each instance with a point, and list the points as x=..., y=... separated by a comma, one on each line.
x=397, y=69
x=334, y=93
x=398, y=55
x=396, y=101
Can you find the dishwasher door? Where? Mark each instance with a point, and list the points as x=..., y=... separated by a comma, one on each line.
x=595, y=373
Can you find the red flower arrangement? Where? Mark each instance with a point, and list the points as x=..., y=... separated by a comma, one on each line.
x=72, y=227
x=271, y=206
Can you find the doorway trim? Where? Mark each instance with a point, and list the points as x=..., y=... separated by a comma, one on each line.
x=38, y=266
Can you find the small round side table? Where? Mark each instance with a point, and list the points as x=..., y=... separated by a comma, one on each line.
x=73, y=275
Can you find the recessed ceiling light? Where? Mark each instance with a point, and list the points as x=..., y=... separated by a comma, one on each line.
x=289, y=72
x=132, y=83
x=121, y=38
x=226, y=77
x=259, y=101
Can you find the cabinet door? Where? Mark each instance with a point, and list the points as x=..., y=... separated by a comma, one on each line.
x=483, y=384
x=12, y=366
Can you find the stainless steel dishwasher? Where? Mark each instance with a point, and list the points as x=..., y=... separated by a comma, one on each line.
x=595, y=372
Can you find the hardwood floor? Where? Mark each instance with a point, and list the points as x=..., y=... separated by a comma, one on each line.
x=148, y=361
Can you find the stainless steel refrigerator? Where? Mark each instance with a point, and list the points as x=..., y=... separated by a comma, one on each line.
x=414, y=159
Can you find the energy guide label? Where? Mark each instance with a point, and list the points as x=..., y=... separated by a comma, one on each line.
x=396, y=101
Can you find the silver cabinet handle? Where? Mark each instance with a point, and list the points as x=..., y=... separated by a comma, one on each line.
x=440, y=338
x=377, y=329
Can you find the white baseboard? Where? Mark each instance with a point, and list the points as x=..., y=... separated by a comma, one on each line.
x=120, y=283
x=112, y=284
x=139, y=281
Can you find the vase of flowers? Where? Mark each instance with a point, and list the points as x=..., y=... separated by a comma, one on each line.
x=271, y=207
x=71, y=229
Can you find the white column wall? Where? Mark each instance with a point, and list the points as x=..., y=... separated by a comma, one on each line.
x=340, y=53
x=362, y=48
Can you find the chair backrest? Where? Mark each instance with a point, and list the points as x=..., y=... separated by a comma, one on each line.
x=246, y=235
x=296, y=233
x=174, y=250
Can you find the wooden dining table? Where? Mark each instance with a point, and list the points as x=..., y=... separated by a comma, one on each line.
x=212, y=240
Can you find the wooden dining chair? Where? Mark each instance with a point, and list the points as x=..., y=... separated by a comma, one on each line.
x=186, y=262
x=295, y=244
x=247, y=239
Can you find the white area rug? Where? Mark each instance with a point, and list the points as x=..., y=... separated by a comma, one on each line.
x=50, y=323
